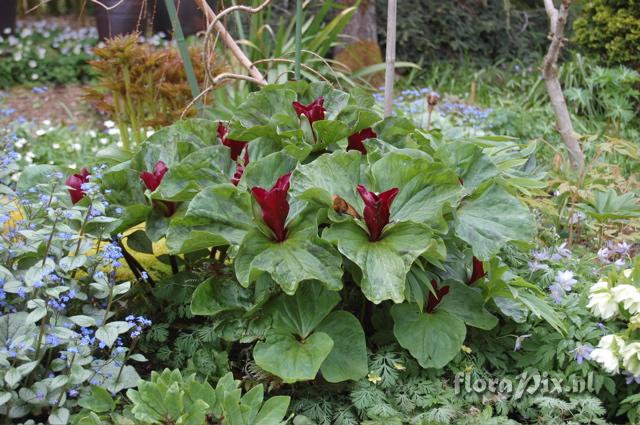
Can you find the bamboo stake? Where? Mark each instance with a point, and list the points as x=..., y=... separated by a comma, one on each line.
x=298, y=38
x=390, y=58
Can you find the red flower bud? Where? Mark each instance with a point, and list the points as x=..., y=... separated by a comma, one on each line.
x=236, y=146
x=314, y=111
x=376, y=210
x=356, y=139
x=478, y=271
x=153, y=180
x=275, y=206
x=434, y=300
x=75, y=183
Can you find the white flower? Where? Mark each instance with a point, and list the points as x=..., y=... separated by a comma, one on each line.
x=607, y=359
x=7, y=30
x=92, y=133
x=629, y=296
x=113, y=131
x=46, y=122
x=17, y=56
x=565, y=280
x=41, y=131
x=34, y=76
x=33, y=64
x=109, y=123
x=627, y=273
x=609, y=348
x=535, y=266
x=103, y=140
x=631, y=358
x=77, y=147
x=21, y=142
x=603, y=255
x=56, y=145
x=601, y=300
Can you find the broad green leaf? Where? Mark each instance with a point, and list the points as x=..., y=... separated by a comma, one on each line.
x=426, y=187
x=283, y=355
x=384, y=263
x=433, y=339
x=329, y=175
x=98, y=400
x=348, y=358
x=302, y=256
x=219, y=215
x=303, y=311
x=110, y=332
x=273, y=411
x=204, y=167
x=265, y=171
x=491, y=220
x=271, y=108
x=329, y=131
x=470, y=163
x=139, y=241
x=216, y=295
x=59, y=416
x=467, y=303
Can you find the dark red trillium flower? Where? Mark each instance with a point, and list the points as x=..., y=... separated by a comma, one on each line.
x=236, y=146
x=434, y=300
x=240, y=169
x=376, y=210
x=356, y=139
x=478, y=271
x=313, y=111
x=75, y=182
x=153, y=179
x=274, y=205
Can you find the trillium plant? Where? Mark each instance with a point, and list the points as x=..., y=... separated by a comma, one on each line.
x=339, y=226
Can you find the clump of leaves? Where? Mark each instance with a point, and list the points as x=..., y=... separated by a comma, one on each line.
x=169, y=398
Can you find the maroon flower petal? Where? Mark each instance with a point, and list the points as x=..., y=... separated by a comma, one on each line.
x=434, y=300
x=240, y=168
x=356, y=140
x=153, y=180
x=75, y=182
x=478, y=271
x=236, y=146
x=275, y=206
x=376, y=210
x=314, y=111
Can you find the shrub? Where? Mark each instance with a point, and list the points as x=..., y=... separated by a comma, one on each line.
x=611, y=29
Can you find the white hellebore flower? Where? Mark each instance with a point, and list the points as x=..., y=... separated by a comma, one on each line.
x=607, y=353
x=631, y=358
x=629, y=296
x=601, y=300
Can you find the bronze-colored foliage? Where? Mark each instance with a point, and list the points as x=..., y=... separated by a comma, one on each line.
x=142, y=86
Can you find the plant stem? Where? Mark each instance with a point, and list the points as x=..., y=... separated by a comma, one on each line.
x=132, y=114
x=46, y=251
x=124, y=132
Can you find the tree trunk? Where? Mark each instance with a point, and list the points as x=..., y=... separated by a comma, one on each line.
x=363, y=24
x=557, y=22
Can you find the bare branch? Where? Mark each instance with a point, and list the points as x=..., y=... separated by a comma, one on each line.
x=550, y=73
x=552, y=12
x=214, y=22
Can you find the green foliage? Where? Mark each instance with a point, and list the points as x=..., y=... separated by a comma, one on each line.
x=168, y=397
x=486, y=31
x=437, y=223
x=42, y=52
x=611, y=29
x=63, y=328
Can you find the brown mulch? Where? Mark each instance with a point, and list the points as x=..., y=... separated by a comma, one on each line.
x=61, y=105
